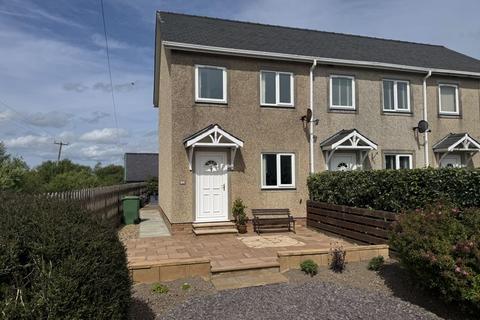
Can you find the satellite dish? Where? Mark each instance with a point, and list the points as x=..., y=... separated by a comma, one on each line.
x=422, y=126
x=309, y=115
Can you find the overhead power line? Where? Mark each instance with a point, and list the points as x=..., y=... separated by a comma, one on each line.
x=107, y=50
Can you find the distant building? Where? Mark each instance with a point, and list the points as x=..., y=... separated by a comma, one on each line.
x=140, y=166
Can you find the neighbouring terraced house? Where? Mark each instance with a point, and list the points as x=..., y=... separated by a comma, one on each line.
x=233, y=100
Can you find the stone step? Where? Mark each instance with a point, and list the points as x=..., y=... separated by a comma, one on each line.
x=200, y=232
x=247, y=278
x=212, y=225
x=247, y=267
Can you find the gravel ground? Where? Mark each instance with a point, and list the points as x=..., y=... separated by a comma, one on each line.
x=147, y=304
x=357, y=293
x=129, y=231
x=314, y=300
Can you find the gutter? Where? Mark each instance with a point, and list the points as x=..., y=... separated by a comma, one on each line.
x=425, y=116
x=309, y=59
x=312, y=120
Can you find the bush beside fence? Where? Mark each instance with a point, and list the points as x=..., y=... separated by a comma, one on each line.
x=57, y=262
x=397, y=190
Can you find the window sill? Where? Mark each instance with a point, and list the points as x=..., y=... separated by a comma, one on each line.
x=450, y=115
x=277, y=106
x=211, y=103
x=277, y=188
x=397, y=113
x=342, y=110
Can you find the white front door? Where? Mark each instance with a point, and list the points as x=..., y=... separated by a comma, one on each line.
x=451, y=161
x=211, y=175
x=343, y=162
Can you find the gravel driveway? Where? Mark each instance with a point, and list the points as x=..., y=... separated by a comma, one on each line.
x=313, y=300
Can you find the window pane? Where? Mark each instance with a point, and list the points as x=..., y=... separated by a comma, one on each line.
x=268, y=87
x=210, y=83
x=336, y=91
x=286, y=169
x=342, y=91
x=285, y=88
x=388, y=95
x=447, y=94
x=402, y=95
x=404, y=162
x=390, y=162
x=270, y=169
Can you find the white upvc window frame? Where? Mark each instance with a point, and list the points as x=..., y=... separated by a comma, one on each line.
x=333, y=107
x=395, y=96
x=197, y=83
x=277, y=90
x=397, y=160
x=279, y=180
x=457, y=106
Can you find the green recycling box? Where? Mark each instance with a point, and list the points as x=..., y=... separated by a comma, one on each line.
x=131, y=207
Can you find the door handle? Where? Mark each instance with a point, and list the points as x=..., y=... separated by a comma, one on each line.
x=223, y=185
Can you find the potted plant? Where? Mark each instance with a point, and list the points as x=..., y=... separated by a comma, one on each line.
x=152, y=190
x=241, y=219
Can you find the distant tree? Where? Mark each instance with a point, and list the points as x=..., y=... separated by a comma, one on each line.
x=50, y=169
x=13, y=171
x=72, y=180
x=109, y=175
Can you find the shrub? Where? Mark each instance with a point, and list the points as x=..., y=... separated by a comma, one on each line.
x=186, y=286
x=337, y=262
x=310, y=267
x=238, y=210
x=159, y=288
x=440, y=246
x=376, y=263
x=397, y=190
x=58, y=263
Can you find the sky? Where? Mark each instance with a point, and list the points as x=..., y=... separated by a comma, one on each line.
x=54, y=81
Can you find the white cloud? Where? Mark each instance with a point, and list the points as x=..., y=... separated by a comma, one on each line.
x=99, y=40
x=54, y=119
x=104, y=136
x=28, y=142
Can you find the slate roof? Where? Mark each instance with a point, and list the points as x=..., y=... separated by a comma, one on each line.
x=449, y=140
x=140, y=167
x=277, y=39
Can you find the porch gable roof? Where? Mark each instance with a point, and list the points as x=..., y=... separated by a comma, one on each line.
x=349, y=139
x=215, y=136
x=457, y=142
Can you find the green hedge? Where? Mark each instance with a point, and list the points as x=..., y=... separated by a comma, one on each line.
x=440, y=246
x=57, y=263
x=397, y=190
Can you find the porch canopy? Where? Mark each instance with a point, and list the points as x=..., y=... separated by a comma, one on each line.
x=212, y=136
x=456, y=142
x=347, y=140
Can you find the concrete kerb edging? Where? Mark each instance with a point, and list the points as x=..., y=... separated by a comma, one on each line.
x=291, y=259
x=151, y=272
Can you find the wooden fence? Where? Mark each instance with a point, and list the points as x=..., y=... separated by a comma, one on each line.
x=104, y=202
x=362, y=225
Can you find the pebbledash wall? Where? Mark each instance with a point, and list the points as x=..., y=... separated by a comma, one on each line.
x=280, y=130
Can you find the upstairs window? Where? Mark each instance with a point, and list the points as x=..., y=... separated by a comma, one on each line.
x=278, y=170
x=342, y=92
x=276, y=88
x=448, y=98
x=396, y=95
x=398, y=161
x=210, y=84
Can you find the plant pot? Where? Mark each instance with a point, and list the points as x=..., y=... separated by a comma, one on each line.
x=242, y=228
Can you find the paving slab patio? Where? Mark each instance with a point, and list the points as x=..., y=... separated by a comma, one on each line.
x=226, y=251
x=151, y=223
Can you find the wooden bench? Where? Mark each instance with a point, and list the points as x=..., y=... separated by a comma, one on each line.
x=272, y=220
